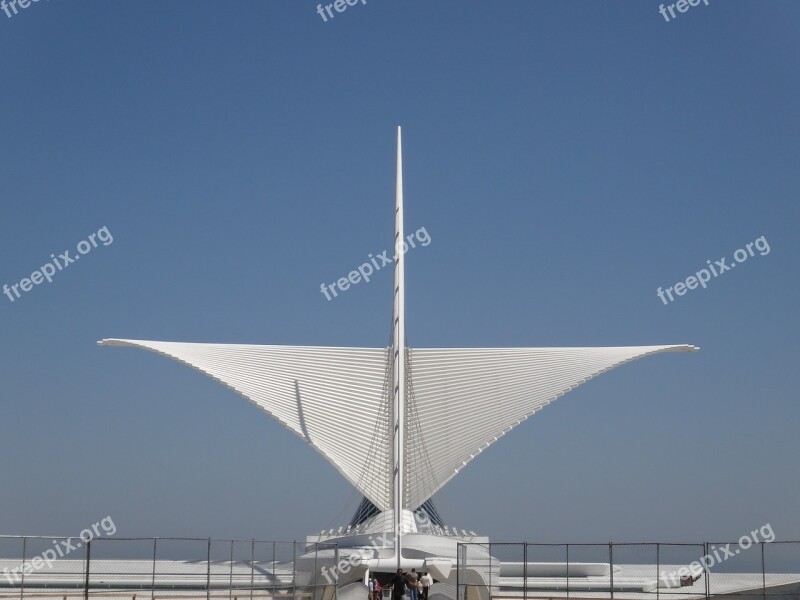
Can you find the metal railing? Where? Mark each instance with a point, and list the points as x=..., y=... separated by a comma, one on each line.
x=70, y=568
x=745, y=570
x=44, y=567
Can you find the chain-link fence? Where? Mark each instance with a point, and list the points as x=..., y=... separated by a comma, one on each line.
x=743, y=570
x=34, y=567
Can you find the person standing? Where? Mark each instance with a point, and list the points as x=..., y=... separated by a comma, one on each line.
x=371, y=589
x=427, y=581
x=377, y=589
x=398, y=585
x=412, y=585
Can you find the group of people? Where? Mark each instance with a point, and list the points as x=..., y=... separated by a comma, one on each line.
x=416, y=586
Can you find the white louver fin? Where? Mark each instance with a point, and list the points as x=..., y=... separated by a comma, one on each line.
x=334, y=398
x=461, y=400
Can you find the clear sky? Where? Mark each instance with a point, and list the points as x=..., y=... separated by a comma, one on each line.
x=566, y=158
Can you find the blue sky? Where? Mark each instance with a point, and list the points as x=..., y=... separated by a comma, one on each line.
x=567, y=159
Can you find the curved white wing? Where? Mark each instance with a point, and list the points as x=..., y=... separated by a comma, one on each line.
x=462, y=400
x=334, y=398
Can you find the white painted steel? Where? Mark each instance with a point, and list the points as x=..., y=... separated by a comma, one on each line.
x=398, y=351
x=333, y=398
x=464, y=399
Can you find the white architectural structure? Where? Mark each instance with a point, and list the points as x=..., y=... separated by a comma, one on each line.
x=398, y=423
x=399, y=445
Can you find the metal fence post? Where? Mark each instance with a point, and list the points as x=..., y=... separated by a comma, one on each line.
x=153, y=577
x=763, y=573
x=705, y=570
x=230, y=576
x=208, y=570
x=336, y=572
x=458, y=570
x=88, y=563
x=274, y=550
x=525, y=570
x=314, y=580
x=253, y=566
x=22, y=568
x=294, y=569
x=658, y=571
x=611, y=567
x=489, y=591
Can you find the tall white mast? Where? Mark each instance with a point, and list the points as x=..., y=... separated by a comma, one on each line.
x=398, y=354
